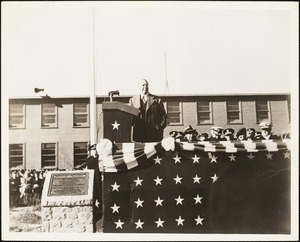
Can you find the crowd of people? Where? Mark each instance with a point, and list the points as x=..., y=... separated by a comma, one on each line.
x=25, y=187
x=229, y=134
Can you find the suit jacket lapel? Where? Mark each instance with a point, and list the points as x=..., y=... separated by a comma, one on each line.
x=149, y=102
x=137, y=101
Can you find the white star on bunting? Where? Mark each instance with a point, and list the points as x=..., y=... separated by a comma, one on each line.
x=159, y=223
x=97, y=203
x=213, y=159
x=157, y=160
x=115, y=125
x=119, y=224
x=251, y=157
x=158, y=201
x=139, y=203
x=138, y=181
x=157, y=181
x=196, y=179
x=199, y=220
x=214, y=178
x=195, y=159
x=232, y=157
x=115, y=187
x=180, y=221
x=177, y=159
x=179, y=200
x=115, y=208
x=198, y=199
x=286, y=155
x=139, y=224
x=269, y=156
x=177, y=179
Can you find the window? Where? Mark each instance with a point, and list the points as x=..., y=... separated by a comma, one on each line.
x=49, y=155
x=16, y=156
x=80, y=153
x=174, y=112
x=234, y=112
x=49, y=115
x=204, y=112
x=17, y=115
x=262, y=111
x=81, y=114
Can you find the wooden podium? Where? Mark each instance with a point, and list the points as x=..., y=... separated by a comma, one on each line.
x=117, y=120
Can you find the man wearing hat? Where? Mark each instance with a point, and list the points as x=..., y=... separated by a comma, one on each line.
x=179, y=136
x=190, y=134
x=173, y=134
x=229, y=134
x=250, y=134
x=203, y=137
x=241, y=134
x=266, y=131
x=216, y=134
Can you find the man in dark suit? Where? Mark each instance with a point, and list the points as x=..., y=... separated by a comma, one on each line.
x=152, y=119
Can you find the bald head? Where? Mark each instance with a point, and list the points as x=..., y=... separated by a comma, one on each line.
x=143, y=86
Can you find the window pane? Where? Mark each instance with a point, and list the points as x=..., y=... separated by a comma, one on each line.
x=16, y=109
x=16, y=120
x=80, y=153
x=48, y=108
x=262, y=110
x=80, y=107
x=81, y=118
x=174, y=112
x=48, y=154
x=174, y=118
x=16, y=115
x=49, y=117
x=233, y=112
x=16, y=155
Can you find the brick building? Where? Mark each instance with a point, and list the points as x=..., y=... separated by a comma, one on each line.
x=55, y=132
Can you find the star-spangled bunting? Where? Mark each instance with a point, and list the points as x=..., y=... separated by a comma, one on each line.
x=186, y=190
x=115, y=125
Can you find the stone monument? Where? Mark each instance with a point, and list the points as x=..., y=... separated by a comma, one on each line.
x=67, y=201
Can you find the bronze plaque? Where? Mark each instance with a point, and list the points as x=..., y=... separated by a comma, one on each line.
x=69, y=184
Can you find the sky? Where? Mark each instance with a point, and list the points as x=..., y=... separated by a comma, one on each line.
x=198, y=48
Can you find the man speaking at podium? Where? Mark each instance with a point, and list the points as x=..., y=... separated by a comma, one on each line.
x=149, y=125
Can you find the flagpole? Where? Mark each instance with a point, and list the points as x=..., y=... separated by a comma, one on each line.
x=166, y=83
x=93, y=121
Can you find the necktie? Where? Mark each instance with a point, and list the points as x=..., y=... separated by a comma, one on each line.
x=144, y=99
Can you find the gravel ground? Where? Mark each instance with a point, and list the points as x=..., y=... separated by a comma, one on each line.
x=29, y=219
x=25, y=219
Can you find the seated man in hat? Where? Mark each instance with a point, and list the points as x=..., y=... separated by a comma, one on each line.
x=250, y=134
x=216, y=134
x=203, y=137
x=179, y=136
x=229, y=134
x=190, y=134
x=266, y=131
x=173, y=134
x=241, y=134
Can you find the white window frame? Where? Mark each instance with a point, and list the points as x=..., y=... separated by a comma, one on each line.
x=87, y=124
x=23, y=157
x=210, y=113
x=180, y=113
x=240, y=121
x=56, y=155
x=17, y=126
x=269, y=111
x=87, y=152
x=55, y=125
